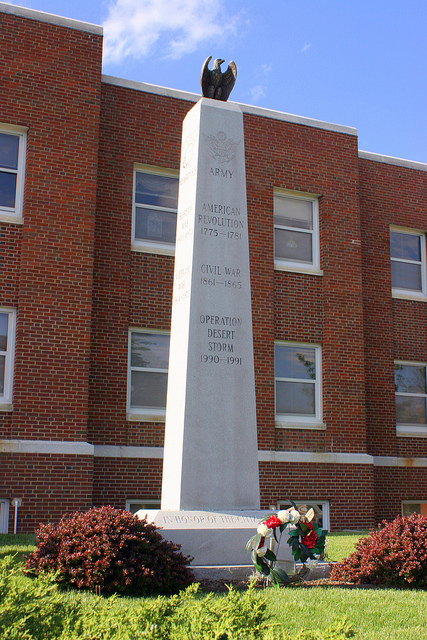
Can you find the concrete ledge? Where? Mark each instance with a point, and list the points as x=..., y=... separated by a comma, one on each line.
x=41, y=16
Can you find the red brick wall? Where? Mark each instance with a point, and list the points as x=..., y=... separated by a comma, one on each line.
x=349, y=488
x=49, y=485
x=49, y=87
x=130, y=289
x=327, y=309
x=116, y=481
x=394, y=484
x=394, y=328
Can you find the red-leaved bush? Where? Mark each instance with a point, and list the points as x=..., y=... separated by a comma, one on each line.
x=110, y=550
x=395, y=555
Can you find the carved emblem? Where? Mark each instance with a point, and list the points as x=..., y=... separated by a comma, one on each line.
x=221, y=148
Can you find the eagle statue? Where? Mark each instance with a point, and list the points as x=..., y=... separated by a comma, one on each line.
x=215, y=84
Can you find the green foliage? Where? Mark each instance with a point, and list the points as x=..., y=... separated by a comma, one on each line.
x=110, y=551
x=37, y=610
x=341, y=544
x=395, y=555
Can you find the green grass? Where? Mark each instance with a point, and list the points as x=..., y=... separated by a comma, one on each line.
x=375, y=613
x=385, y=614
x=341, y=544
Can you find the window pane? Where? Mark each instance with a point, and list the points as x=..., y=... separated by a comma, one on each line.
x=7, y=189
x=2, y=365
x=157, y=191
x=295, y=362
x=293, y=245
x=150, y=350
x=295, y=398
x=405, y=246
x=409, y=379
x=291, y=212
x=4, y=318
x=410, y=410
x=148, y=390
x=155, y=225
x=405, y=275
x=9, y=148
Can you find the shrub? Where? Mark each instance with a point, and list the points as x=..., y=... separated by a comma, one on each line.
x=394, y=555
x=109, y=550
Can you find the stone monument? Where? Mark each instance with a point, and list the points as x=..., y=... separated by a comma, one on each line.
x=210, y=488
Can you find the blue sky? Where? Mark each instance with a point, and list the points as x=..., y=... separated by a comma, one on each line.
x=360, y=63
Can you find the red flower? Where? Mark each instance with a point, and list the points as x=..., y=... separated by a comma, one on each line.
x=273, y=522
x=310, y=539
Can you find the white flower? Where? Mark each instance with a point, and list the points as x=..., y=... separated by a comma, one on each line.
x=294, y=516
x=262, y=551
x=284, y=516
x=310, y=564
x=264, y=531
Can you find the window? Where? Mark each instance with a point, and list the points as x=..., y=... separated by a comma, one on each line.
x=4, y=516
x=320, y=507
x=414, y=506
x=298, y=386
x=296, y=236
x=407, y=252
x=12, y=167
x=7, y=341
x=135, y=505
x=155, y=208
x=148, y=374
x=411, y=397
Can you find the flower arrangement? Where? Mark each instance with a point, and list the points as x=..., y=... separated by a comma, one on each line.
x=306, y=539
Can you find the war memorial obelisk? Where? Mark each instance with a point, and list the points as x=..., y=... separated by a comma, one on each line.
x=210, y=488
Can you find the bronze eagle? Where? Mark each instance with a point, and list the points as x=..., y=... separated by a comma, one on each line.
x=215, y=84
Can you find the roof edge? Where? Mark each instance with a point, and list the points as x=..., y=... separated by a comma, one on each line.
x=400, y=162
x=41, y=16
x=258, y=111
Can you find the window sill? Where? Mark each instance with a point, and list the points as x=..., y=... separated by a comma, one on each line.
x=5, y=406
x=409, y=296
x=159, y=249
x=146, y=417
x=314, y=271
x=317, y=426
x=411, y=431
x=5, y=217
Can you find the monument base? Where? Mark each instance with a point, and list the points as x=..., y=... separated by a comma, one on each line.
x=216, y=540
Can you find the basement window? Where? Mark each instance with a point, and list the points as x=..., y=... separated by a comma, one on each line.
x=135, y=505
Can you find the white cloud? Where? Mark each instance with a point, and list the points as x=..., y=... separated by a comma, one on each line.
x=306, y=47
x=134, y=27
x=257, y=93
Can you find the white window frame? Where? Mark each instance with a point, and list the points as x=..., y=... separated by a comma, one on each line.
x=143, y=245
x=412, y=430
x=140, y=414
x=398, y=292
x=290, y=265
x=14, y=214
x=289, y=421
x=6, y=397
x=285, y=504
x=145, y=504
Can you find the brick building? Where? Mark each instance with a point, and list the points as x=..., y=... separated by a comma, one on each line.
x=88, y=192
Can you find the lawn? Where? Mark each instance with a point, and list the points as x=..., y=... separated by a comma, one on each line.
x=374, y=613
